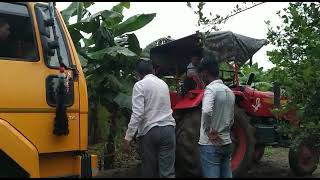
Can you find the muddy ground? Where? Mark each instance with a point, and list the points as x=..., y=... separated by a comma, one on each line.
x=273, y=164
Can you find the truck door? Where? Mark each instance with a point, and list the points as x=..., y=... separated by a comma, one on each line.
x=29, y=78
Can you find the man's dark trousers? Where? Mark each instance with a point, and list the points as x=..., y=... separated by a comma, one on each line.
x=157, y=150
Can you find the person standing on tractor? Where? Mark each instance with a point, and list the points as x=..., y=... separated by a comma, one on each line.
x=192, y=76
x=216, y=122
x=192, y=66
x=152, y=117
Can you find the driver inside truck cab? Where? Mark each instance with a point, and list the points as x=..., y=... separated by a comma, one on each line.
x=16, y=38
x=4, y=35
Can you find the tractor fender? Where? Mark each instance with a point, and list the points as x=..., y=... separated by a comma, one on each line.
x=238, y=93
x=241, y=99
x=192, y=99
x=19, y=149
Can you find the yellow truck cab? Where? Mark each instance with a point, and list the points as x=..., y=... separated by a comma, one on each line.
x=43, y=96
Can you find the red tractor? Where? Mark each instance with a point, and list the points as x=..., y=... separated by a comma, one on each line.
x=255, y=126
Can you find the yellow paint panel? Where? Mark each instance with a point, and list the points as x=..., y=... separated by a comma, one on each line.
x=83, y=129
x=38, y=128
x=23, y=105
x=60, y=164
x=19, y=149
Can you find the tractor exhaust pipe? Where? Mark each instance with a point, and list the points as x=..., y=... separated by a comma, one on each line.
x=276, y=91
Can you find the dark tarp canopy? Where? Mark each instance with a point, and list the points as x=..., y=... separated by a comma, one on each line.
x=225, y=45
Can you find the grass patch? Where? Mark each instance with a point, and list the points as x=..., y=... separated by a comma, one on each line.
x=122, y=160
x=268, y=151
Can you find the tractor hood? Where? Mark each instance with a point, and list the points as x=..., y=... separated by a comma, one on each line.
x=225, y=45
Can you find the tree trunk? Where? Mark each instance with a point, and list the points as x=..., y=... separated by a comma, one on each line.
x=94, y=124
x=109, y=152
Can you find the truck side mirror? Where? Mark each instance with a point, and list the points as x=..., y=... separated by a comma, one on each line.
x=52, y=87
x=47, y=51
x=250, y=79
x=44, y=23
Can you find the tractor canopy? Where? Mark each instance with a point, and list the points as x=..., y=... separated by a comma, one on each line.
x=174, y=56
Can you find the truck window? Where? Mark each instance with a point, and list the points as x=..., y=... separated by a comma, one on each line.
x=17, y=39
x=53, y=61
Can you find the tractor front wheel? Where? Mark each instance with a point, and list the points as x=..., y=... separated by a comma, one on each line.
x=243, y=141
x=303, y=160
x=258, y=152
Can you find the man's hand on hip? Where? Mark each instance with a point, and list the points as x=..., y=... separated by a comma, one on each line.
x=214, y=137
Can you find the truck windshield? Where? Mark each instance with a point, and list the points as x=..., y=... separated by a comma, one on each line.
x=53, y=61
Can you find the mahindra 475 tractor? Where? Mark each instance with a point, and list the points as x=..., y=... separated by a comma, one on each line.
x=254, y=127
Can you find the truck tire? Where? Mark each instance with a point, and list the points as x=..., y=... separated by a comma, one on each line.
x=303, y=160
x=187, y=151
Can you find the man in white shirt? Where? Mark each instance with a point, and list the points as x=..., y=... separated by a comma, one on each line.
x=216, y=122
x=152, y=117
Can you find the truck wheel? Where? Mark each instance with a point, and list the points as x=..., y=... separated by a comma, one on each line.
x=243, y=142
x=303, y=160
x=258, y=152
x=187, y=150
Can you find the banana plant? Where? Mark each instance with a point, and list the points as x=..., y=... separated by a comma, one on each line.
x=261, y=77
x=108, y=50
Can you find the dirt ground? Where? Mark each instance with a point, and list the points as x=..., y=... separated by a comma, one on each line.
x=273, y=164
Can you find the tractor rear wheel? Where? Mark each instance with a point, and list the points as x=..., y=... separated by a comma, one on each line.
x=303, y=160
x=187, y=151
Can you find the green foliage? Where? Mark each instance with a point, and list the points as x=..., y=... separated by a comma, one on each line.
x=226, y=73
x=263, y=86
x=171, y=82
x=268, y=151
x=213, y=22
x=133, y=23
x=297, y=61
x=108, y=54
x=261, y=80
x=76, y=8
x=103, y=121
